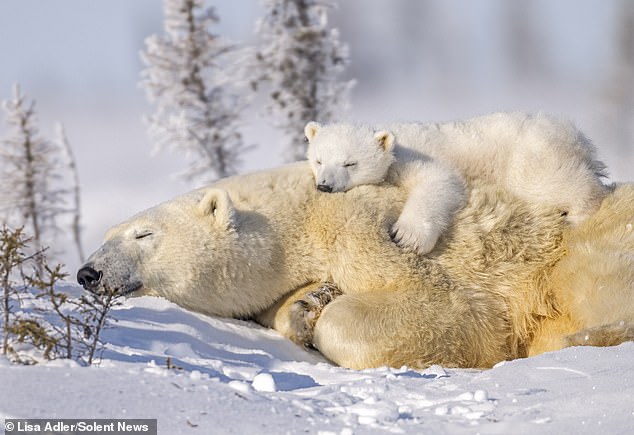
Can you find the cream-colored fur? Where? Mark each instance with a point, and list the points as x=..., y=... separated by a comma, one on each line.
x=253, y=245
x=592, y=283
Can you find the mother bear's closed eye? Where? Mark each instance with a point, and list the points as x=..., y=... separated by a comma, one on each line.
x=143, y=234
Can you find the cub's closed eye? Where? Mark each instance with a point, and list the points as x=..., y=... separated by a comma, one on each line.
x=143, y=234
x=348, y=164
x=318, y=162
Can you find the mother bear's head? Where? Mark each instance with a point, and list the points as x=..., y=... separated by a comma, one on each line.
x=188, y=250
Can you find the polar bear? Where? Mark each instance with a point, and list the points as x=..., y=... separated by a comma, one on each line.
x=343, y=156
x=536, y=157
x=508, y=279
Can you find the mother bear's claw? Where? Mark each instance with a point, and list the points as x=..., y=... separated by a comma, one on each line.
x=305, y=313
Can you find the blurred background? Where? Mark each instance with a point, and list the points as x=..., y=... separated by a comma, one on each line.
x=425, y=60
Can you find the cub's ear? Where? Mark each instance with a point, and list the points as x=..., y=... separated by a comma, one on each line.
x=311, y=129
x=384, y=139
x=217, y=204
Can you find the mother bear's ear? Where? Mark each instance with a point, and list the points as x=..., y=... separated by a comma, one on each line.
x=217, y=204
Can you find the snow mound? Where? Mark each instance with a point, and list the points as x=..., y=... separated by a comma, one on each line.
x=231, y=376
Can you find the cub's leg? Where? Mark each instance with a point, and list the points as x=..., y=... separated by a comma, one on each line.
x=436, y=193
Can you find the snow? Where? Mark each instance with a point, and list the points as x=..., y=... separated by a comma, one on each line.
x=231, y=376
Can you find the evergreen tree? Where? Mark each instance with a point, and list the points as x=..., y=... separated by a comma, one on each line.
x=301, y=60
x=31, y=194
x=196, y=112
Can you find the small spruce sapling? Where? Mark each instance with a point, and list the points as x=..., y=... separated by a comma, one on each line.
x=95, y=309
x=19, y=328
x=12, y=257
x=60, y=325
x=79, y=321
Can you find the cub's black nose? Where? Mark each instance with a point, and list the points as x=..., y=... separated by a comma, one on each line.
x=324, y=188
x=88, y=278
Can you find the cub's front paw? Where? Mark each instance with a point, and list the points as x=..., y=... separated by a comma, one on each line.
x=420, y=237
x=306, y=311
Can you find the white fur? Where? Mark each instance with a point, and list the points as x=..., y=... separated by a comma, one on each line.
x=535, y=157
x=436, y=193
x=343, y=156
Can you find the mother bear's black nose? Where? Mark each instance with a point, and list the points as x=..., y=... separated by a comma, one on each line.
x=88, y=278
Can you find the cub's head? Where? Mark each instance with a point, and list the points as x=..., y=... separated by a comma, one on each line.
x=343, y=156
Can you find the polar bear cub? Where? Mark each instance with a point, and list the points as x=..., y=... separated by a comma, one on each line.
x=343, y=156
x=536, y=157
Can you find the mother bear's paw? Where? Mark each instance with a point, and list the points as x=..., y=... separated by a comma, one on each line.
x=605, y=335
x=305, y=312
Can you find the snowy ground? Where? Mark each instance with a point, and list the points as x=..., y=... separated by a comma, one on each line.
x=237, y=377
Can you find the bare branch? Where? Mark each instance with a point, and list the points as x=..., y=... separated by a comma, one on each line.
x=75, y=210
